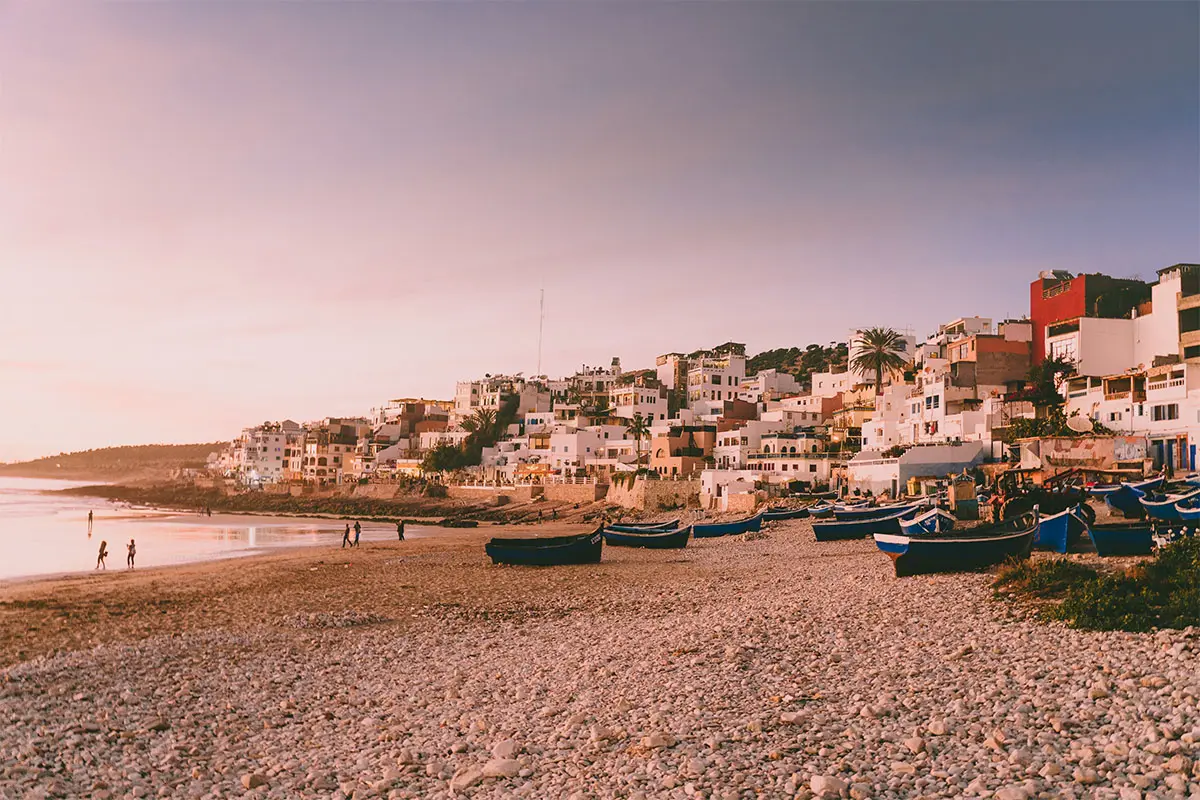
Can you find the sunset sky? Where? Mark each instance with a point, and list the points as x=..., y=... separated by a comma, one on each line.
x=212, y=214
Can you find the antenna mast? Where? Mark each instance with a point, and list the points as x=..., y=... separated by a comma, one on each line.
x=541, y=321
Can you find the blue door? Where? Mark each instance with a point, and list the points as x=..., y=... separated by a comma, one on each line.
x=1169, y=458
x=1192, y=458
x=1158, y=454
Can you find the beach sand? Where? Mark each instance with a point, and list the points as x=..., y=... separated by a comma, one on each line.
x=743, y=667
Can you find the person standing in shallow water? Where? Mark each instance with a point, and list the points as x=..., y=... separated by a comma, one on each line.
x=346, y=536
x=357, y=531
x=132, y=548
x=103, y=555
x=89, y=523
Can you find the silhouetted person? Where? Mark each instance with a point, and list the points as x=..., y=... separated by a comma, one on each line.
x=89, y=523
x=208, y=511
x=357, y=531
x=103, y=555
x=346, y=536
x=554, y=514
x=132, y=548
x=400, y=530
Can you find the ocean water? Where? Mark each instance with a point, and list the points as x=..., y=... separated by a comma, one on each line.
x=42, y=534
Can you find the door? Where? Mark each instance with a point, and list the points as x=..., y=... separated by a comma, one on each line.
x=1169, y=456
x=1192, y=459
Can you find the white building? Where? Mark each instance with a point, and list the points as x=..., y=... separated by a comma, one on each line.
x=831, y=384
x=263, y=454
x=626, y=401
x=870, y=471
x=715, y=377
x=768, y=384
x=733, y=446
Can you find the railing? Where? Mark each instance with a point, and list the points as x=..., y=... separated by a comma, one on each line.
x=1155, y=385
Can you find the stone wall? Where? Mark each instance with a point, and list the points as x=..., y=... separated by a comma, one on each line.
x=575, y=492
x=377, y=491
x=652, y=495
x=491, y=495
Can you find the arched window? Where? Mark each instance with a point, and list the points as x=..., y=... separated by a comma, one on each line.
x=321, y=462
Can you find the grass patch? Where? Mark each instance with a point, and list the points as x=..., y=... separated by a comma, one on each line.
x=1163, y=592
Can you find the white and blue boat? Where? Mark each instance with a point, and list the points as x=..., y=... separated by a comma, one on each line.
x=728, y=528
x=875, y=512
x=935, y=520
x=777, y=514
x=861, y=528
x=644, y=527
x=1057, y=531
x=983, y=547
x=1166, y=507
x=1127, y=499
x=1189, y=510
x=652, y=539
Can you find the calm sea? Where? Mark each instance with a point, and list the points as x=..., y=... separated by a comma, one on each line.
x=43, y=533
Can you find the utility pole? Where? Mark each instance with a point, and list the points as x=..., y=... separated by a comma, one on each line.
x=541, y=323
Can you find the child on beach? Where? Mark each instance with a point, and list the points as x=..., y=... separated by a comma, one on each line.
x=132, y=548
x=103, y=555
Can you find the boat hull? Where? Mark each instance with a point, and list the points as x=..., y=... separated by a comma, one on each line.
x=859, y=529
x=665, y=527
x=918, y=555
x=548, y=552
x=1126, y=501
x=728, y=528
x=934, y=521
x=1136, y=539
x=879, y=512
x=1167, y=509
x=790, y=513
x=654, y=540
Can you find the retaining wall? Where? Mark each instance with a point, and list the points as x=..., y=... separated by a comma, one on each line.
x=575, y=492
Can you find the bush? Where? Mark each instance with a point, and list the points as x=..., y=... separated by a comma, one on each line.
x=1161, y=593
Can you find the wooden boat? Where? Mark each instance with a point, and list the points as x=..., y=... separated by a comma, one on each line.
x=583, y=548
x=1165, y=507
x=647, y=525
x=1126, y=501
x=1058, y=531
x=861, y=528
x=777, y=514
x=878, y=512
x=1103, y=489
x=1123, y=538
x=1188, y=510
x=657, y=540
x=728, y=528
x=821, y=511
x=915, y=555
x=935, y=520
x=660, y=527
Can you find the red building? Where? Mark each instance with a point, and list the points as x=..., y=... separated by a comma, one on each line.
x=1057, y=296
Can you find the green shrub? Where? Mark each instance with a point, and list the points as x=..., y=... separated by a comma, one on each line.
x=1043, y=578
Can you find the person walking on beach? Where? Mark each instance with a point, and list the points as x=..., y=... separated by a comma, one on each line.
x=89, y=523
x=208, y=510
x=103, y=555
x=357, y=531
x=400, y=530
x=132, y=548
x=346, y=536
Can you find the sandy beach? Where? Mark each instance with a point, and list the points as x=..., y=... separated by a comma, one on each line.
x=736, y=668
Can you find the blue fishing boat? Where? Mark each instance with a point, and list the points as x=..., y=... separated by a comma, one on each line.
x=1126, y=501
x=777, y=514
x=1103, y=489
x=861, y=528
x=876, y=512
x=657, y=540
x=935, y=520
x=727, y=528
x=1165, y=507
x=821, y=511
x=550, y=551
x=1123, y=539
x=1188, y=510
x=1059, y=531
x=647, y=527
x=915, y=555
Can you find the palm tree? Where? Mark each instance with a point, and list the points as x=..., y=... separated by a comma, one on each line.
x=639, y=428
x=878, y=351
x=481, y=425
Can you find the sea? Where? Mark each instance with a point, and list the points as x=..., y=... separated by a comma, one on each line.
x=43, y=533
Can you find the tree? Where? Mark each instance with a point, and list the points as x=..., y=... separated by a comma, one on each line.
x=482, y=426
x=879, y=351
x=639, y=428
x=443, y=458
x=1046, y=378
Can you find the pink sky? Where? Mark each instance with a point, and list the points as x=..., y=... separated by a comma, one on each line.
x=216, y=214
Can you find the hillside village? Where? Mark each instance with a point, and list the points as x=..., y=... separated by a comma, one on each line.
x=1102, y=375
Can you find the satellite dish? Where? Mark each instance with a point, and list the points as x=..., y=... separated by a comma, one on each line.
x=1079, y=424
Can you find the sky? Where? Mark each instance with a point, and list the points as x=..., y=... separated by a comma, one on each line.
x=218, y=213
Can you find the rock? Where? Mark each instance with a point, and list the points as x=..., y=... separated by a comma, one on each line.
x=160, y=725
x=506, y=749
x=253, y=780
x=1086, y=776
x=937, y=728
x=791, y=717
x=904, y=768
x=1179, y=763
x=501, y=768
x=915, y=744
x=656, y=740
x=405, y=757
x=861, y=791
x=1098, y=691
x=601, y=734
x=827, y=786
x=465, y=778
x=1012, y=793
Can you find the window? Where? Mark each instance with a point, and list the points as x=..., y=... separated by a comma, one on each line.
x=1164, y=412
x=1114, y=416
x=812, y=467
x=937, y=401
x=716, y=380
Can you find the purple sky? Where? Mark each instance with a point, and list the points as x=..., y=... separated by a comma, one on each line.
x=217, y=213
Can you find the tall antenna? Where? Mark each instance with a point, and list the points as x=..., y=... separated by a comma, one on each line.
x=541, y=321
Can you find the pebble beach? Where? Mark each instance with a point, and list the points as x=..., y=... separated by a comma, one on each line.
x=744, y=667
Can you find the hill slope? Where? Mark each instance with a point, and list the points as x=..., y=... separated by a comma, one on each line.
x=147, y=462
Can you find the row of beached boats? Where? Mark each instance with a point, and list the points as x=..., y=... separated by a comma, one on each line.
x=586, y=548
